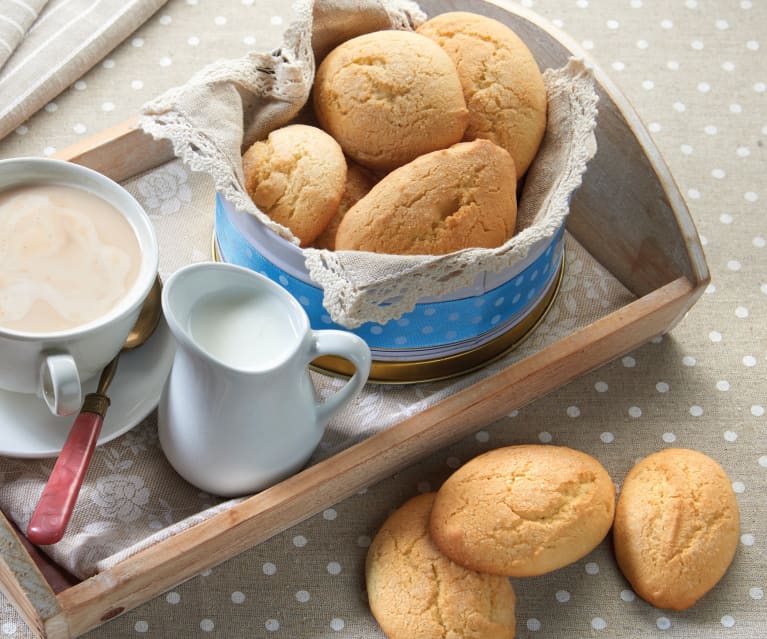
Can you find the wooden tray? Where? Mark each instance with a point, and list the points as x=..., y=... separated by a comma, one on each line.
x=628, y=214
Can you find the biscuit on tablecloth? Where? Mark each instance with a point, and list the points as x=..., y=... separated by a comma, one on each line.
x=676, y=527
x=415, y=591
x=443, y=201
x=502, y=84
x=296, y=176
x=388, y=97
x=523, y=510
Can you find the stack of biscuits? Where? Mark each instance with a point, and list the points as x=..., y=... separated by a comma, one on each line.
x=439, y=566
x=418, y=145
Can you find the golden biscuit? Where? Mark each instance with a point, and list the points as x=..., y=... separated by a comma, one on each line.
x=296, y=176
x=359, y=181
x=415, y=591
x=388, y=97
x=444, y=201
x=523, y=511
x=676, y=527
x=501, y=81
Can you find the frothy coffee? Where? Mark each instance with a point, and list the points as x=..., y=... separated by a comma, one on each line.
x=67, y=257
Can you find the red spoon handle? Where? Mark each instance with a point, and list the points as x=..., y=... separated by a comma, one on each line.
x=50, y=519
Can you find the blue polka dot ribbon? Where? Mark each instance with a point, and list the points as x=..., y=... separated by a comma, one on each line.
x=434, y=328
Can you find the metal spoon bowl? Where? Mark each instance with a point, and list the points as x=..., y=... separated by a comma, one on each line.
x=51, y=517
x=148, y=319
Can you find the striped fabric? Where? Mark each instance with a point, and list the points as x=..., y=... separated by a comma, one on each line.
x=16, y=16
x=45, y=56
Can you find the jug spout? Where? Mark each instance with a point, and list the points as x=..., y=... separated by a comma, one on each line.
x=234, y=316
x=180, y=294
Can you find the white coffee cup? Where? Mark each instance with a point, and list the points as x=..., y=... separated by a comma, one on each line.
x=54, y=364
x=239, y=410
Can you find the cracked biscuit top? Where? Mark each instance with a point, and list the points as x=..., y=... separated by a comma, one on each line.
x=502, y=84
x=414, y=591
x=297, y=177
x=676, y=527
x=388, y=97
x=443, y=201
x=524, y=510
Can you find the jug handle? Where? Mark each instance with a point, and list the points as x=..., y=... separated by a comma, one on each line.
x=348, y=346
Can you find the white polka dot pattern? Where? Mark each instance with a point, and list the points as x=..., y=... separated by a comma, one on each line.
x=694, y=71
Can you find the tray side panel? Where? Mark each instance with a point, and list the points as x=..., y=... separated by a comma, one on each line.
x=174, y=560
x=120, y=152
x=26, y=588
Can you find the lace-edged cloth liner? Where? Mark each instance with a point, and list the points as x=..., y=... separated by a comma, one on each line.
x=230, y=104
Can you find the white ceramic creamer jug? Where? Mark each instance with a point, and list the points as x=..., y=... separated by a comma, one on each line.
x=239, y=411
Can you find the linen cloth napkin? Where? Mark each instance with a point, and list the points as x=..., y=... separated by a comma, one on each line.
x=46, y=45
x=16, y=16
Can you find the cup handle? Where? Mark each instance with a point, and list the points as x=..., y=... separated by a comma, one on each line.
x=348, y=346
x=60, y=384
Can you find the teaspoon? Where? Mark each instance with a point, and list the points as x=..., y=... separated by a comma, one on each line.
x=51, y=516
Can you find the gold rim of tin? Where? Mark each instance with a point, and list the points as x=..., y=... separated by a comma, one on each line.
x=441, y=368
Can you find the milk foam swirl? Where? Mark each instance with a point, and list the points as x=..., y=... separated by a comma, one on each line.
x=66, y=258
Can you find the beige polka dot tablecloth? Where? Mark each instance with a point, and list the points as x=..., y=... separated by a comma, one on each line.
x=694, y=70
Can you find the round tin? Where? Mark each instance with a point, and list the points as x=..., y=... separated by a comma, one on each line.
x=441, y=337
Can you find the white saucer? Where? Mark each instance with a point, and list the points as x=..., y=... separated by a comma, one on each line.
x=27, y=428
